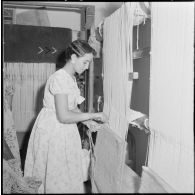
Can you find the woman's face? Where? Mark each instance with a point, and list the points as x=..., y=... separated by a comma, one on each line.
x=82, y=63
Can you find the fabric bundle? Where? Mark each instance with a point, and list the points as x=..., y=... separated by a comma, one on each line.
x=14, y=182
x=108, y=162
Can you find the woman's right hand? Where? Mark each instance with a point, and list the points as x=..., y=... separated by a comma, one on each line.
x=92, y=125
x=100, y=116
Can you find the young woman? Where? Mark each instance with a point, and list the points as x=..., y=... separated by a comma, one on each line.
x=54, y=152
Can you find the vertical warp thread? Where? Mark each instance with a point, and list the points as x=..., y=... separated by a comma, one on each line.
x=28, y=78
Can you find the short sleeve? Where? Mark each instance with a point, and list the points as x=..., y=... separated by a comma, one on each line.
x=60, y=85
x=80, y=99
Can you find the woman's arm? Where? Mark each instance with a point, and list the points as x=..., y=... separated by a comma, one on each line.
x=70, y=116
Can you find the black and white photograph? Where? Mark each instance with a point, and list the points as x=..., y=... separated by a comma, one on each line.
x=97, y=97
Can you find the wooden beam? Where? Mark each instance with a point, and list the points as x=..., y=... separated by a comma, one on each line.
x=90, y=16
x=91, y=88
x=40, y=4
x=83, y=19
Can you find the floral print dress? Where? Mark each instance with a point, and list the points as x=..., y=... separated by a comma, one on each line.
x=54, y=152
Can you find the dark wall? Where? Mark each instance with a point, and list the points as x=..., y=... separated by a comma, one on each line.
x=140, y=90
x=140, y=96
x=25, y=43
x=98, y=82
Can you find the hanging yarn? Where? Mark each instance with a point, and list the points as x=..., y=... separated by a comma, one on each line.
x=117, y=62
x=29, y=79
x=171, y=150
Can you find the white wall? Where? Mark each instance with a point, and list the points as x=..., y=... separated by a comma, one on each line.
x=64, y=19
x=102, y=9
x=171, y=151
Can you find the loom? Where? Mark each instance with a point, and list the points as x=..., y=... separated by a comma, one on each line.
x=154, y=179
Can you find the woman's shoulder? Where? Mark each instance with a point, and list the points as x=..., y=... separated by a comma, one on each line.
x=60, y=76
x=60, y=82
x=60, y=73
x=56, y=75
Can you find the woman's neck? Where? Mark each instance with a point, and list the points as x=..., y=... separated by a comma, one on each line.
x=69, y=69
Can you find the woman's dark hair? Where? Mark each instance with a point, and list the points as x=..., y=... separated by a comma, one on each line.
x=77, y=47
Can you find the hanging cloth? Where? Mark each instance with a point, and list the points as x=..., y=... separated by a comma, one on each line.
x=107, y=161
